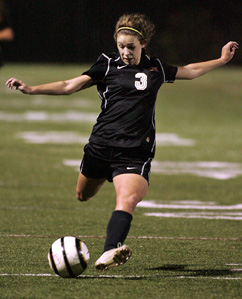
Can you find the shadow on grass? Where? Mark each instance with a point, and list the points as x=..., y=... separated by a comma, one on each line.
x=184, y=270
x=170, y=271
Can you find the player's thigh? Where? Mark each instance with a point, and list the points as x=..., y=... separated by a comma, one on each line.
x=130, y=190
x=87, y=187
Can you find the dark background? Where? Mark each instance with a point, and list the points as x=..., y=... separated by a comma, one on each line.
x=80, y=30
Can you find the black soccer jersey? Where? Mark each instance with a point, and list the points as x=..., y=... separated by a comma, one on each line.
x=128, y=94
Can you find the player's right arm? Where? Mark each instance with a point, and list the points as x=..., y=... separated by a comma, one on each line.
x=65, y=87
x=6, y=34
x=194, y=70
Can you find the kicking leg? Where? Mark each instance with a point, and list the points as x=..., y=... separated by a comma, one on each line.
x=87, y=187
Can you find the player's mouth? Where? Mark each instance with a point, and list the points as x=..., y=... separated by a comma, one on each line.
x=128, y=60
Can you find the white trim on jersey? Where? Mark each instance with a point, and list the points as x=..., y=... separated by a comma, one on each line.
x=165, y=81
x=153, y=146
x=153, y=117
x=142, y=170
x=104, y=95
x=108, y=67
x=100, y=95
x=162, y=70
x=82, y=163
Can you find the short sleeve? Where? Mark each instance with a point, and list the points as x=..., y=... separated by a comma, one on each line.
x=98, y=70
x=169, y=72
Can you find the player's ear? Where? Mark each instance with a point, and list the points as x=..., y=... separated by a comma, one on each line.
x=143, y=43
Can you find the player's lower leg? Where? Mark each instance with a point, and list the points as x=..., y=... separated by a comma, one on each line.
x=117, y=230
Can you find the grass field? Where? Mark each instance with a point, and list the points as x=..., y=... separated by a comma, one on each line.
x=186, y=235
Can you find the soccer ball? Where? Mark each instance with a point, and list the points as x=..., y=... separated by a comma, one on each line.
x=68, y=257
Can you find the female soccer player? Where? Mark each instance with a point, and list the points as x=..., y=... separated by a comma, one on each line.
x=122, y=142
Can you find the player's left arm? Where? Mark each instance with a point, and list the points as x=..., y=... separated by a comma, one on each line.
x=194, y=70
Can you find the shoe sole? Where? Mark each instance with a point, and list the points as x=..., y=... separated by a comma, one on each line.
x=119, y=258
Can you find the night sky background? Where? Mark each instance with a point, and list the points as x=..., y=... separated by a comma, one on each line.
x=79, y=31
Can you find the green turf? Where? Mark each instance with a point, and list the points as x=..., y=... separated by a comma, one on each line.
x=192, y=258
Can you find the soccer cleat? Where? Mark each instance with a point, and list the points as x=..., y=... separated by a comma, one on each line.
x=113, y=257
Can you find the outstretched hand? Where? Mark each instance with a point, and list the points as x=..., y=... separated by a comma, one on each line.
x=228, y=51
x=14, y=83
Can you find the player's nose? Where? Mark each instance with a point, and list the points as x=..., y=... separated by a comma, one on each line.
x=126, y=52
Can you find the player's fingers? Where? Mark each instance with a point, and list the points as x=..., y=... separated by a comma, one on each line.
x=16, y=83
x=233, y=45
x=11, y=82
x=10, y=79
x=233, y=42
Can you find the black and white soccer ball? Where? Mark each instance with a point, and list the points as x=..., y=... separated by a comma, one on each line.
x=68, y=257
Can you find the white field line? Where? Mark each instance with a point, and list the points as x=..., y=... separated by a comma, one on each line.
x=73, y=102
x=129, y=237
x=209, y=210
x=193, y=216
x=63, y=137
x=233, y=264
x=44, y=102
x=185, y=206
x=210, y=169
x=172, y=139
x=127, y=276
x=53, y=137
x=42, y=116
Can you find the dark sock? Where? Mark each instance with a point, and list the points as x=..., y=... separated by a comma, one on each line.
x=117, y=229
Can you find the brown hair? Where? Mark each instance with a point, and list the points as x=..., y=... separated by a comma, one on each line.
x=140, y=23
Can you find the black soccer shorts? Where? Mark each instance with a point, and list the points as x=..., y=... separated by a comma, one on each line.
x=107, y=162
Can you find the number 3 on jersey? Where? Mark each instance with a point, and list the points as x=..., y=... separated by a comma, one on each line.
x=141, y=84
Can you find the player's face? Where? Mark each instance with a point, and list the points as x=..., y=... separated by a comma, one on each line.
x=129, y=48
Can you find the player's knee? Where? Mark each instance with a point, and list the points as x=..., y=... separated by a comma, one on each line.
x=80, y=196
x=128, y=203
x=134, y=199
